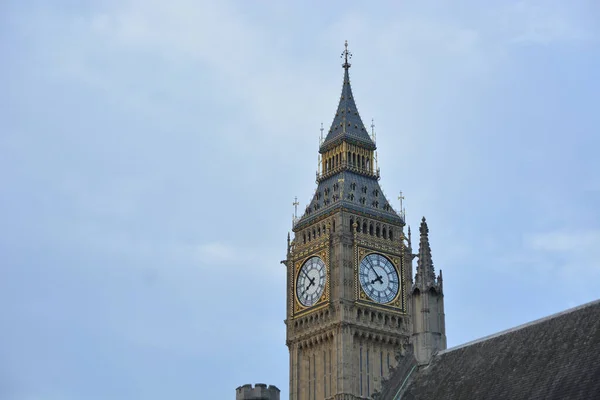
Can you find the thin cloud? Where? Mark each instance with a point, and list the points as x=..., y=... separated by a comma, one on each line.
x=565, y=241
x=217, y=252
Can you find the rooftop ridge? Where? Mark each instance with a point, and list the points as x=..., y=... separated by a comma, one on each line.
x=522, y=326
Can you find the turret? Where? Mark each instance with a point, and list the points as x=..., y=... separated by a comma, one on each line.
x=429, y=326
x=260, y=391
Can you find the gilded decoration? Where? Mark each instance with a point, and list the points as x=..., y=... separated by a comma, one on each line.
x=318, y=247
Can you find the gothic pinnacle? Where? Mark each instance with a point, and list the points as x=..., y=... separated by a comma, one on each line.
x=425, y=273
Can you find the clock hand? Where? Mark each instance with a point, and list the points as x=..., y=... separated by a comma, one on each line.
x=378, y=279
x=311, y=282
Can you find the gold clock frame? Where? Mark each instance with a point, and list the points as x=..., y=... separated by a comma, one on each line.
x=398, y=304
x=299, y=309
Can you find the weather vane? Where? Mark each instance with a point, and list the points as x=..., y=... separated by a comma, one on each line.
x=346, y=55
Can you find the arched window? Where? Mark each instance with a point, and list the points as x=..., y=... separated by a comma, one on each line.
x=304, y=236
x=319, y=231
x=334, y=225
x=351, y=224
x=371, y=229
x=364, y=229
x=368, y=163
x=384, y=233
x=391, y=234
x=377, y=231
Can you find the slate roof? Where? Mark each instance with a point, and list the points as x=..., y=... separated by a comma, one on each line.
x=347, y=124
x=358, y=193
x=557, y=357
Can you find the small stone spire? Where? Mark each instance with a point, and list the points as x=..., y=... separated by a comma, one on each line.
x=429, y=320
x=425, y=276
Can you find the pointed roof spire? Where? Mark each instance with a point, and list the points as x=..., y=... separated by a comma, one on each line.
x=425, y=276
x=347, y=124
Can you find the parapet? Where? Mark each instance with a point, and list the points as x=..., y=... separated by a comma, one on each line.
x=260, y=391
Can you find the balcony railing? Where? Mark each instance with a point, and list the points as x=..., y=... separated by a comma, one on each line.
x=344, y=165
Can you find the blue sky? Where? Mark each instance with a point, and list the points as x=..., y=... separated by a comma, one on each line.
x=151, y=152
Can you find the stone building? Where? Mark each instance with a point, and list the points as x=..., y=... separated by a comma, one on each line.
x=360, y=325
x=557, y=357
x=260, y=391
x=352, y=300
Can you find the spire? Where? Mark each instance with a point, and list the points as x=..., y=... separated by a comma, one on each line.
x=425, y=276
x=347, y=124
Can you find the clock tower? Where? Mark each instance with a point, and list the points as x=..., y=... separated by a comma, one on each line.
x=349, y=272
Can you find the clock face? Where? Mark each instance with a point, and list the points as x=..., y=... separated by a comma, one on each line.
x=378, y=278
x=310, y=282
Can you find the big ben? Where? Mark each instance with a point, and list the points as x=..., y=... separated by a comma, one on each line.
x=349, y=270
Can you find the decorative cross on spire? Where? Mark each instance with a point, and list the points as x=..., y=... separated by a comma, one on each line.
x=402, y=210
x=321, y=134
x=346, y=55
x=373, y=136
x=400, y=198
x=295, y=204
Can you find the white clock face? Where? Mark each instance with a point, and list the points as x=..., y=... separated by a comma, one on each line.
x=310, y=282
x=378, y=278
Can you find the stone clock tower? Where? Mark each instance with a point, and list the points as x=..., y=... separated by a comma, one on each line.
x=349, y=272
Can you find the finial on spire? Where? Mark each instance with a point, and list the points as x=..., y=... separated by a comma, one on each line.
x=400, y=197
x=346, y=55
x=295, y=204
x=321, y=141
x=423, y=228
x=425, y=277
x=373, y=135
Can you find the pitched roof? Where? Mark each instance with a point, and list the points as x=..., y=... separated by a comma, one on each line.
x=347, y=124
x=352, y=191
x=557, y=357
